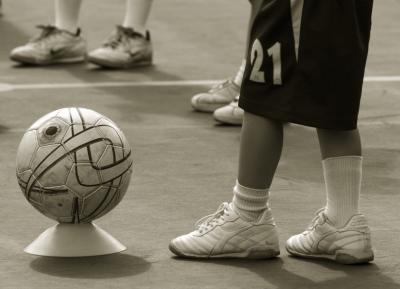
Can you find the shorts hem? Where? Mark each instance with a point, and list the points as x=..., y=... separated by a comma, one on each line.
x=291, y=117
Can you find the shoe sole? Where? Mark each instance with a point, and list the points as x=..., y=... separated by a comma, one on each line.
x=207, y=107
x=230, y=121
x=347, y=257
x=107, y=64
x=26, y=60
x=252, y=253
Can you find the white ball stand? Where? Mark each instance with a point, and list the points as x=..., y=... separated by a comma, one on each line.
x=74, y=240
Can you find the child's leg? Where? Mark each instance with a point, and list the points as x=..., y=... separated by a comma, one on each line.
x=67, y=14
x=342, y=167
x=239, y=74
x=222, y=98
x=230, y=113
x=137, y=12
x=245, y=228
x=336, y=143
x=55, y=46
x=260, y=151
x=125, y=49
x=346, y=238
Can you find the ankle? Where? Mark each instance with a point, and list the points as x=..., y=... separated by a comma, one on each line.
x=249, y=203
x=75, y=31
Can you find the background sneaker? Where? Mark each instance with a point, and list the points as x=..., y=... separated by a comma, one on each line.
x=230, y=114
x=53, y=45
x=225, y=234
x=348, y=245
x=125, y=48
x=218, y=96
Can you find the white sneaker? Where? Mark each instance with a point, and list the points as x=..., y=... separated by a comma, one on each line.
x=225, y=234
x=230, y=114
x=52, y=46
x=218, y=96
x=125, y=48
x=348, y=245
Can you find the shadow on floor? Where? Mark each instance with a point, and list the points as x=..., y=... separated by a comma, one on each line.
x=13, y=36
x=3, y=129
x=99, y=267
x=274, y=272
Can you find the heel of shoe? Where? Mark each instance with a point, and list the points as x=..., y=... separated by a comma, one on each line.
x=349, y=256
x=263, y=252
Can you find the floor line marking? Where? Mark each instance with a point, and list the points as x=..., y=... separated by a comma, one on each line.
x=393, y=78
x=166, y=83
x=8, y=86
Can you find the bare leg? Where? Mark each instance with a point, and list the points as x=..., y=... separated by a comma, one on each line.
x=335, y=143
x=260, y=151
x=67, y=14
x=137, y=13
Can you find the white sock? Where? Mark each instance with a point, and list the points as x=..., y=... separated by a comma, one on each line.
x=239, y=75
x=67, y=14
x=249, y=203
x=137, y=12
x=343, y=184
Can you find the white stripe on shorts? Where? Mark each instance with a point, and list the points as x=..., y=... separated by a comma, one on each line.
x=297, y=10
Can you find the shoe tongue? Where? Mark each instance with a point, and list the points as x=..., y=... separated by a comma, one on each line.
x=232, y=207
x=323, y=218
x=46, y=31
x=235, y=211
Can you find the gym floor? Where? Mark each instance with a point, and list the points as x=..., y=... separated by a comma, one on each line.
x=185, y=163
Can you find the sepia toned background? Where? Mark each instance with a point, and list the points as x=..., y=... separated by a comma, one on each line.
x=184, y=163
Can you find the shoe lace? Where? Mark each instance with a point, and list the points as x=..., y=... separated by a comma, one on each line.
x=47, y=30
x=120, y=36
x=317, y=220
x=209, y=221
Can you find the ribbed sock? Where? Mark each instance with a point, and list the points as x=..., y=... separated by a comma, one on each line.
x=343, y=184
x=249, y=203
x=239, y=75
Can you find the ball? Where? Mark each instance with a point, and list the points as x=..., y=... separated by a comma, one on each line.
x=74, y=165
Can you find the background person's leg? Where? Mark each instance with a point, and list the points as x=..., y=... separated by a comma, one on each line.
x=137, y=13
x=67, y=14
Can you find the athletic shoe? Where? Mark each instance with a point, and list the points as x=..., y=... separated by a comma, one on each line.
x=52, y=46
x=230, y=114
x=348, y=245
x=218, y=96
x=225, y=234
x=125, y=48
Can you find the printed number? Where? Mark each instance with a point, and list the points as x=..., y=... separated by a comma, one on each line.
x=275, y=53
x=257, y=58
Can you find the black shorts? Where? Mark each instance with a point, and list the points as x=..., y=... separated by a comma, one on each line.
x=306, y=61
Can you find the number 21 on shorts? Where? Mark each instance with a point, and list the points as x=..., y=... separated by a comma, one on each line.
x=257, y=58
